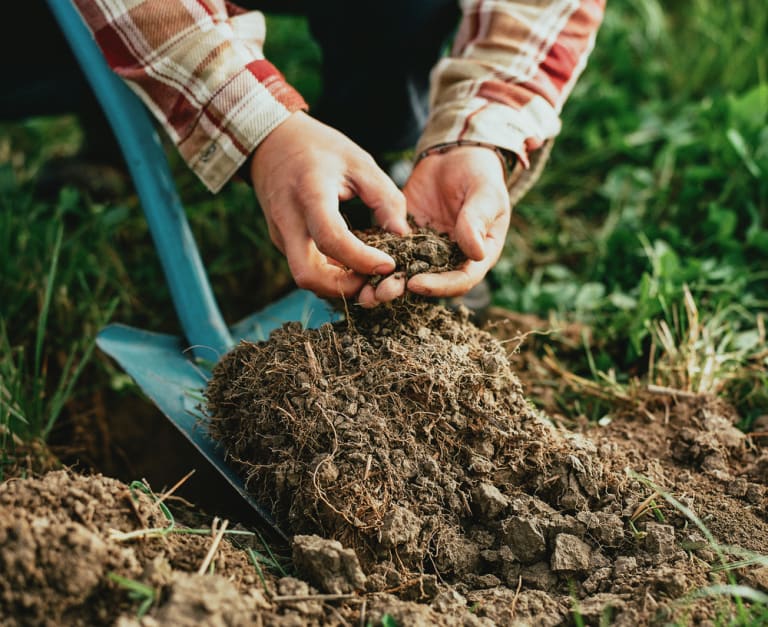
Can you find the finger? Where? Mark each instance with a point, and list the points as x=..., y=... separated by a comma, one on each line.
x=387, y=290
x=334, y=239
x=367, y=297
x=449, y=284
x=390, y=288
x=380, y=193
x=312, y=271
x=481, y=214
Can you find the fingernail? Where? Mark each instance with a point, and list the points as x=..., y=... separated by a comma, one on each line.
x=383, y=268
x=479, y=243
x=399, y=227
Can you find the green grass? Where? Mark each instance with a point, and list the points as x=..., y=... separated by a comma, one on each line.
x=137, y=591
x=657, y=185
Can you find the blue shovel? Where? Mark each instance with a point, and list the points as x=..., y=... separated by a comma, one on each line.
x=172, y=370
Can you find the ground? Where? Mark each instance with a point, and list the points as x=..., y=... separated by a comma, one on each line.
x=421, y=486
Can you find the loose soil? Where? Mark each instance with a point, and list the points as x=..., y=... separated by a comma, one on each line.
x=424, y=250
x=400, y=450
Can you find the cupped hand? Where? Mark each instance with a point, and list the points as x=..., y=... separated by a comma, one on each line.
x=300, y=172
x=461, y=192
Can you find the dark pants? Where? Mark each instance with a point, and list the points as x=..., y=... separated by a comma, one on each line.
x=375, y=72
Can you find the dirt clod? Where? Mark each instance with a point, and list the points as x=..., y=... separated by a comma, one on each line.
x=327, y=564
x=193, y=600
x=660, y=539
x=570, y=554
x=525, y=538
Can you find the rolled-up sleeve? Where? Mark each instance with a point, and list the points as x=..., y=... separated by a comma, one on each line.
x=512, y=66
x=199, y=67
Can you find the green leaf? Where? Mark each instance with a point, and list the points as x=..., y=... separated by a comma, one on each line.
x=750, y=109
x=736, y=140
x=589, y=296
x=388, y=621
x=621, y=300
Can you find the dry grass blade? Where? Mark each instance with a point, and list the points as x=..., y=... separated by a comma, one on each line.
x=667, y=391
x=698, y=357
x=219, y=534
x=604, y=388
x=290, y=598
x=513, y=605
x=175, y=486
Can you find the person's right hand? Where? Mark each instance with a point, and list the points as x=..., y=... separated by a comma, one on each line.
x=300, y=172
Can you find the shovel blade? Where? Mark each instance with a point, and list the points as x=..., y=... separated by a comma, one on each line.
x=163, y=367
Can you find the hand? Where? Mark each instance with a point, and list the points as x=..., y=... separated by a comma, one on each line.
x=463, y=193
x=300, y=172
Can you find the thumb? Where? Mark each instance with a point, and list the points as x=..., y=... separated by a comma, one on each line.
x=481, y=210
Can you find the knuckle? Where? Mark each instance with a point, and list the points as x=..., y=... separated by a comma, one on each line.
x=308, y=188
x=313, y=281
x=366, y=159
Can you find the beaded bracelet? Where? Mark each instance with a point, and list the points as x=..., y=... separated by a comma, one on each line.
x=508, y=159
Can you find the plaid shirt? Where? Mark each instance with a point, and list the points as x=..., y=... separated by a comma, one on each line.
x=199, y=67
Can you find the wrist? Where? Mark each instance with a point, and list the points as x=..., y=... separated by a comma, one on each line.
x=245, y=171
x=508, y=159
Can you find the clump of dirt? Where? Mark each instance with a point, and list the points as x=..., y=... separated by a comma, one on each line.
x=423, y=250
x=327, y=564
x=53, y=561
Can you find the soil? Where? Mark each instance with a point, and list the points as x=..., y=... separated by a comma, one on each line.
x=424, y=250
x=421, y=486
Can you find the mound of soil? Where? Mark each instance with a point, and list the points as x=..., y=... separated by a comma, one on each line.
x=405, y=435
x=392, y=431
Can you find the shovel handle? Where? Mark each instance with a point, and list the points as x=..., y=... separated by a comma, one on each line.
x=193, y=299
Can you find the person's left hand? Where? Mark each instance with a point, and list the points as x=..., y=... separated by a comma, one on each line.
x=461, y=192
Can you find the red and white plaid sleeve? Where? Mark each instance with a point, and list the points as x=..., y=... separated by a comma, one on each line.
x=513, y=64
x=199, y=67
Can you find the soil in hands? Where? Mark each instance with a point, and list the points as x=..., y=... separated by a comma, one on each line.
x=424, y=250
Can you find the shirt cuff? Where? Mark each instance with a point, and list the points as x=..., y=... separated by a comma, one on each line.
x=233, y=123
x=483, y=121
